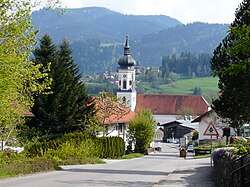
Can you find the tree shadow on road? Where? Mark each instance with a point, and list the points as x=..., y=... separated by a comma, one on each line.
x=102, y=183
x=193, y=177
x=115, y=171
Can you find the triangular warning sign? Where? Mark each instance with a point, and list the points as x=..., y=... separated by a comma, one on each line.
x=211, y=130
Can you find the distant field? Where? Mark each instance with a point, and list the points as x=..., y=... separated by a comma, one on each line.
x=208, y=85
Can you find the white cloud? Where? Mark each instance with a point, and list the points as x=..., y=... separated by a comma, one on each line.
x=186, y=11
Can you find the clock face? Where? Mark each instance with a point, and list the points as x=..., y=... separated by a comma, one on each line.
x=124, y=76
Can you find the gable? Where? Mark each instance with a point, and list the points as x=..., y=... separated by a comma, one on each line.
x=171, y=104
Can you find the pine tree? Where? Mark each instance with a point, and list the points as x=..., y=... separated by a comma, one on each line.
x=43, y=108
x=77, y=107
x=68, y=108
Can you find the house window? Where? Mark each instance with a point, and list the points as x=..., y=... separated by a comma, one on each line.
x=130, y=83
x=124, y=99
x=120, y=82
x=120, y=127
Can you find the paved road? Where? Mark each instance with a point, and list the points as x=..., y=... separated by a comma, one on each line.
x=152, y=170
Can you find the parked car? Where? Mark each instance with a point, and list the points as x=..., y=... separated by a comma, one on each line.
x=190, y=148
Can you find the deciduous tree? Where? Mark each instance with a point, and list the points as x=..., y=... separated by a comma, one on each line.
x=20, y=78
x=142, y=130
x=230, y=62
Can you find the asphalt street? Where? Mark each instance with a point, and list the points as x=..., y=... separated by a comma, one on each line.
x=164, y=168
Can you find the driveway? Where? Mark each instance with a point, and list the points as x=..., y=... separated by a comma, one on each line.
x=146, y=171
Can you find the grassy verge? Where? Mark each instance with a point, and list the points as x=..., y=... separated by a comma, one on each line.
x=132, y=155
x=22, y=166
x=203, y=156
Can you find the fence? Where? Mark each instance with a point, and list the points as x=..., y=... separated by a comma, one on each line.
x=241, y=171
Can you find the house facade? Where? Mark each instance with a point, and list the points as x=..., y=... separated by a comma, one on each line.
x=119, y=127
x=207, y=118
x=114, y=117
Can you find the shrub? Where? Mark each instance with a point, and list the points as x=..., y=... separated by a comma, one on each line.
x=19, y=164
x=240, y=150
x=78, y=145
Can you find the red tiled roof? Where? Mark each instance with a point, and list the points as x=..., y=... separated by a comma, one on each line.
x=23, y=110
x=171, y=104
x=124, y=119
x=27, y=113
x=127, y=117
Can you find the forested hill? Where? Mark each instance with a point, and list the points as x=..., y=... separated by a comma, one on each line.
x=97, y=36
x=195, y=38
x=97, y=23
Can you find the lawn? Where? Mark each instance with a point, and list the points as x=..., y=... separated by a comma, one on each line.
x=208, y=85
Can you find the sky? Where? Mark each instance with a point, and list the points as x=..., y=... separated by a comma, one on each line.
x=186, y=11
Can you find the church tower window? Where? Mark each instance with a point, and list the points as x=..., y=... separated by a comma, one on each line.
x=124, y=84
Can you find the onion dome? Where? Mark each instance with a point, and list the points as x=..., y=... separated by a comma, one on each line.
x=126, y=60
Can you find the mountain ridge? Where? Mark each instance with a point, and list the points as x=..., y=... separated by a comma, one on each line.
x=97, y=36
x=97, y=23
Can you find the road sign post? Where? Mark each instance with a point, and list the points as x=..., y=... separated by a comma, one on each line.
x=211, y=131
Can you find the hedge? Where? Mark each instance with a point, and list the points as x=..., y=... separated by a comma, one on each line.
x=106, y=147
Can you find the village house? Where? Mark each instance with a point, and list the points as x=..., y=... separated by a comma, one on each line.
x=210, y=118
x=116, y=124
x=223, y=129
x=179, y=131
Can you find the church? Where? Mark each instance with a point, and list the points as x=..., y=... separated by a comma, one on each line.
x=164, y=107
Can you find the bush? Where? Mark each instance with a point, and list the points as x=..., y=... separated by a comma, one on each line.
x=73, y=148
x=78, y=145
x=141, y=130
x=18, y=164
x=111, y=147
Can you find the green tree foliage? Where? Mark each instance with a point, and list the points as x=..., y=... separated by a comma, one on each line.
x=197, y=90
x=186, y=64
x=230, y=62
x=20, y=78
x=68, y=108
x=141, y=130
x=195, y=135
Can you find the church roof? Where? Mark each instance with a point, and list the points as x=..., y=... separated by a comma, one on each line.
x=126, y=60
x=171, y=104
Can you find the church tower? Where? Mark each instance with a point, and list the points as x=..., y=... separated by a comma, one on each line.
x=126, y=78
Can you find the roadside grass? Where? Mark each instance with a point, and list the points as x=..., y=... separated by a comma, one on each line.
x=202, y=156
x=132, y=155
x=85, y=160
x=20, y=166
x=4, y=175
